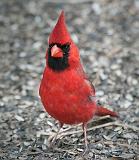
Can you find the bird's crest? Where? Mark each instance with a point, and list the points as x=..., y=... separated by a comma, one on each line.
x=60, y=32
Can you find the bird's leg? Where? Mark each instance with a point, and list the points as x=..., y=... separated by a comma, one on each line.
x=55, y=137
x=85, y=137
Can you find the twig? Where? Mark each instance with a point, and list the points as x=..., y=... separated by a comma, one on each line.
x=95, y=120
x=89, y=129
x=69, y=2
x=114, y=51
x=100, y=126
x=99, y=119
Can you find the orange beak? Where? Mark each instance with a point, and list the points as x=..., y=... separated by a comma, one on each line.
x=56, y=52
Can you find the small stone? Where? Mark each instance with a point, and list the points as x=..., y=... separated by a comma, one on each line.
x=134, y=82
x=1, y=104
x=50, y=123
x=129, y=97
x=23, y=54
x=40, y=132
x=107, y=138
x=99, y=146
x=17, y=97
x=75, y=38
x=130, y=136
x=80, y=150
x=127, y=104
x=116, y=151
x=114, y=66
x=28, y=103
x=14, y=78
x=26, y=143
x=103, y=76
x=100, y=93
x=116, y=97
x=37, y=45
x=127, y=156
x=136, y=2
x=38, y=19
x=44, y=147
x=31, y=83
x=118, y=73
x=96, y=7
x=129, y=80
x=42, y=115
x=103, y=61
x=117, y=129
x=45, y=141
x=19, y=118
x=129, y=141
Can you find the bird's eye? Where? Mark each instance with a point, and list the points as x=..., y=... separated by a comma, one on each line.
x=66, y=48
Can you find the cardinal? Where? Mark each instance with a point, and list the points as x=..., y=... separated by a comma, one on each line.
x=66, y=93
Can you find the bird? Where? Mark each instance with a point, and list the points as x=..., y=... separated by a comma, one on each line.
x=65, y=90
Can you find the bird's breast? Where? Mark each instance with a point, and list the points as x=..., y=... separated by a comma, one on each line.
x=64, y=97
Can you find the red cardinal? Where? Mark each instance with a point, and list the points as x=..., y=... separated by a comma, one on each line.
x=65, y=91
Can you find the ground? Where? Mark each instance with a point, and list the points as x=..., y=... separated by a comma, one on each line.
x=107, y=34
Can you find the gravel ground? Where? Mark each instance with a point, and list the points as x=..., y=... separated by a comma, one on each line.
x=107, y=33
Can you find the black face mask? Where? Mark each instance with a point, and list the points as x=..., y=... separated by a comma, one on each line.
x=59, y=64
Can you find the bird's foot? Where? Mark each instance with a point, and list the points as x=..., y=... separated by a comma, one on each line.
x=51, y=141
x=51, y=145
x=86, y=151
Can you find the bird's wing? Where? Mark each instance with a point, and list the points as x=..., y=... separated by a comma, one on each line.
x=87, y=81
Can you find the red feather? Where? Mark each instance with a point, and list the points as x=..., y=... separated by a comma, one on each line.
x=101, y=111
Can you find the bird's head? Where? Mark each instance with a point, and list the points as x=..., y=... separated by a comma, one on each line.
x=62, y=52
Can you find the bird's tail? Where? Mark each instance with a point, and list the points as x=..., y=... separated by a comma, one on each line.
x=101, y=111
